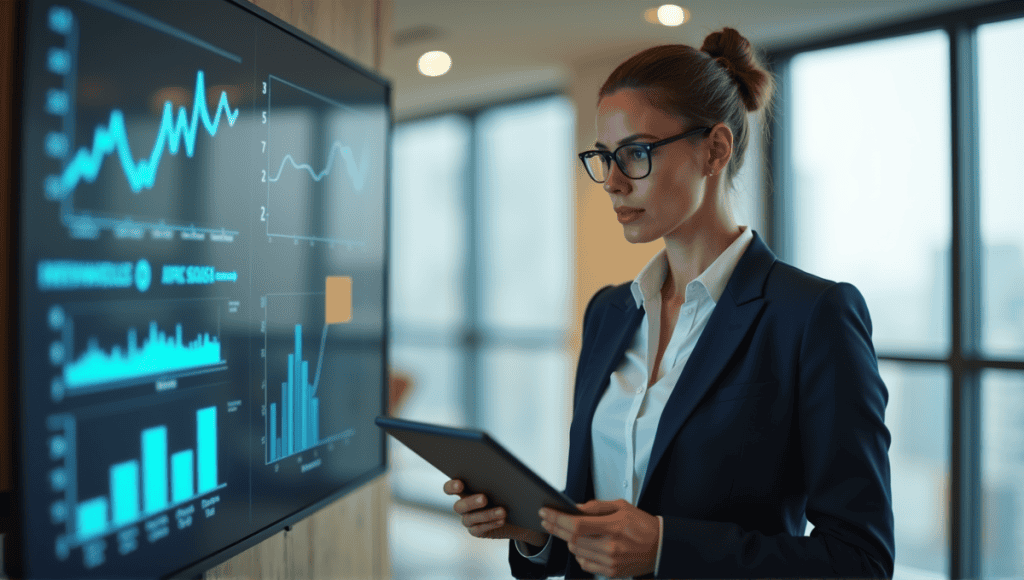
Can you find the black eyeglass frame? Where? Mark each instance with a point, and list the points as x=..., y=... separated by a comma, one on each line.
x=647, y=147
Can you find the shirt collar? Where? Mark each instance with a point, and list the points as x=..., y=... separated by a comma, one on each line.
x=711, y=281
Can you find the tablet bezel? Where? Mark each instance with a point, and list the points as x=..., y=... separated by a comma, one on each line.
x=400, y=429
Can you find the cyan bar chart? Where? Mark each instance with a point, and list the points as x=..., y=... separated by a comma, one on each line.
x=303, y=372
x=300, y=412
x=164, y=480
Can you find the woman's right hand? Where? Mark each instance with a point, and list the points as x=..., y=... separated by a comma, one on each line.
x=486, y=521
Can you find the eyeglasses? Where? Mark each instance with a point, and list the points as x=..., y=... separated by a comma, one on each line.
x=633, y=159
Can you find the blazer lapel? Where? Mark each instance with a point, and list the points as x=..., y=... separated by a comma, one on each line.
x=732, y=318
x=616, y=332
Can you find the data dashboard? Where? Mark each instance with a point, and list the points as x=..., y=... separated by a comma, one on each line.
x=201, y=301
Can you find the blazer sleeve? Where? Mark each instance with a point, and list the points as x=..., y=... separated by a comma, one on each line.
x=844, y=444
x=521, y=567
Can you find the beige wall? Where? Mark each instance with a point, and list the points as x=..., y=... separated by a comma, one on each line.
x=603, y=256
x=347, y=539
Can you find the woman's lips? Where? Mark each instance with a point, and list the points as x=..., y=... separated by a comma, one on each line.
x=628, y=214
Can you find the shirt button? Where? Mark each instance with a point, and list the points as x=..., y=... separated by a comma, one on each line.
x=625, y=484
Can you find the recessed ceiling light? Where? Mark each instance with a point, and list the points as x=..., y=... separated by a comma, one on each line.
x=671, y=15
x=435, y=63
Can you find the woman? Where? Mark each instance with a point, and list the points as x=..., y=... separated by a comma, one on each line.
x=723, y=398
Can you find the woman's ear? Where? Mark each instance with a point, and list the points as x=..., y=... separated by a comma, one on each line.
x=719, y=144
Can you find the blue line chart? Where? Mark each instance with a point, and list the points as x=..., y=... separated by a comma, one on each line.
x=114, y=138
x=358, y=172
x=320, y=360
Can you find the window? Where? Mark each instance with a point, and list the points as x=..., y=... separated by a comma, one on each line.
x=900, y=166
x=1002, y=290
x=481, y=282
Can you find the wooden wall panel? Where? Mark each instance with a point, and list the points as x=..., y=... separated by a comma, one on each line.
x=347, y=539
x=348, y=26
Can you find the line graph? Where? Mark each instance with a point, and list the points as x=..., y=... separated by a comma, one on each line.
x=113, y=137
x=139, y=126
x=357, y=171
x=332, y=176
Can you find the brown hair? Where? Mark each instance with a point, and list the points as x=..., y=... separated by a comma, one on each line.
x=720, y=83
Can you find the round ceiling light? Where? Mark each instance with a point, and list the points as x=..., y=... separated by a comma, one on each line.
x=435, y=63
x=671, y=15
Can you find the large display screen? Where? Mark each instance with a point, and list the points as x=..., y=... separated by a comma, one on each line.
x=201, y=223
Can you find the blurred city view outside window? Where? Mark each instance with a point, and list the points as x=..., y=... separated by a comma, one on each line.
x=871, y=198
x=480, y=297
x=1000, y=86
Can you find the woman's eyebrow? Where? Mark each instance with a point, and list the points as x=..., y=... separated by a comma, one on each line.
x=632, y=137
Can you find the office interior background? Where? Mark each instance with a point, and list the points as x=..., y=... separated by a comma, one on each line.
x=891, y=159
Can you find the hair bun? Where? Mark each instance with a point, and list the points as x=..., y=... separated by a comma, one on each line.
x=731, y=50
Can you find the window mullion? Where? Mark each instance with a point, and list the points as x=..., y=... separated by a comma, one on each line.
x=965, y=445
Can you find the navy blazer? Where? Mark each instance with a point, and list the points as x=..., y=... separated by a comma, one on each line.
x=777, y=419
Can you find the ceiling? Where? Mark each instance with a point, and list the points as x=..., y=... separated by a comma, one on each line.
x=506, y=48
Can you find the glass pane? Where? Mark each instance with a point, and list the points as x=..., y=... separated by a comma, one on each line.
x=871, y=151
x=436, y=397
x=428, y=235
x=917, y=416
x=1002, y=471
x=427, y=546
x=524, y=403
x=525, y=174
x=1002, y=184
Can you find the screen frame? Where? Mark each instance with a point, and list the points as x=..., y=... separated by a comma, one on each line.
x=13, y=19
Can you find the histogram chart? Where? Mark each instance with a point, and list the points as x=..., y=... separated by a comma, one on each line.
x=300, y=175
x=132, y=343
x=142, y=482
x=122, y=168
x=301, y=376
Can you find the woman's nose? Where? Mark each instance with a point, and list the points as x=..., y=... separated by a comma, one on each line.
x=617, y=182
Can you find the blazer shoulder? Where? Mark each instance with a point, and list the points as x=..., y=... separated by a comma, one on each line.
x=610, y=294
x=790, y=284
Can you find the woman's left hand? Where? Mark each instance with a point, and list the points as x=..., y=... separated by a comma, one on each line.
x=612, y=538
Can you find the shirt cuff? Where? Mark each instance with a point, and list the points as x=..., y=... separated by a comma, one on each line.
x=661, y=540
x=538, y=558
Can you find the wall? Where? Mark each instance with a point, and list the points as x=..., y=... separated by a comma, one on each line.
x=347, y=539
x=603, y=256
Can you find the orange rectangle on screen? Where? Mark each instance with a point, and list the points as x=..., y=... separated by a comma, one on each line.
x=338, y=306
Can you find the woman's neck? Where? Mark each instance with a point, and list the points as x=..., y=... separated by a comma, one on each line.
x=689, y=257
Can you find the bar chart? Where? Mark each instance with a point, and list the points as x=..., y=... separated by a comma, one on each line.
x=300, y=409
x=154, y=481
x=303, y=371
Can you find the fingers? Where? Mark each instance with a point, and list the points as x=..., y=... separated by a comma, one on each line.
x=482, y=521
x=572, y=528
x=453, y=487
x=470, y=502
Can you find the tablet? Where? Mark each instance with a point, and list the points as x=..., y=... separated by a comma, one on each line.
x=484, y=466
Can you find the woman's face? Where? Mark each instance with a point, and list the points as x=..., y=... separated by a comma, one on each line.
x=671, y=200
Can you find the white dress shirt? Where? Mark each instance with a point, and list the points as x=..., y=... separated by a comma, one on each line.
x=627, y=416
